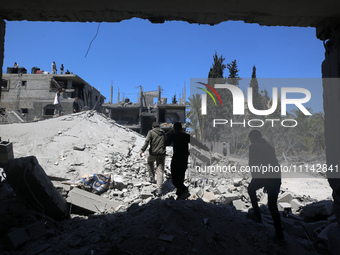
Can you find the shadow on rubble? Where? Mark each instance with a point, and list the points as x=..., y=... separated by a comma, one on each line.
x=159, y=226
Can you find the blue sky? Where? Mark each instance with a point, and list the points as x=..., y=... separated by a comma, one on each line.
x=136, y=52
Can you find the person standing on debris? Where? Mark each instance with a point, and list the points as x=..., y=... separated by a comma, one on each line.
x=262, y=154
x=16, y=65
x=76, y=107
x=224, y=150
x=57, y=103
x=156, y=139
x=179, y=162
x=54, y=68
x=61, y=69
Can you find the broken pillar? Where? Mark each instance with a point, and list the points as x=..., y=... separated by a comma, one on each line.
x=30, y=182
x=90, y=201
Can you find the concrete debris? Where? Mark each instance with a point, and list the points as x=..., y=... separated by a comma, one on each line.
x=283, y=206
x=91, y=202
x=285, y=197
x=318, y=209
x=130, y=219
x=79, y=147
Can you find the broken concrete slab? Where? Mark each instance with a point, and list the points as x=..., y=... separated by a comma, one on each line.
x=286, y=197
x=285, y=207
x=237, y=181
x=34, y=185
x=146, y=192
x=209, y=197
x=16, y=238
x=79, y=147
x=239, y=204
x=323, y=235
x=228, y=198
x=296, y=205
x=90, y=201
x=319, y=209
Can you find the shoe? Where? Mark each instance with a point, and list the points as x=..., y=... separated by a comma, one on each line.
x=252, y=216
x=184, y=196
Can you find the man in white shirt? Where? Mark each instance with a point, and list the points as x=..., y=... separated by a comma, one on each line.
x=57, y=103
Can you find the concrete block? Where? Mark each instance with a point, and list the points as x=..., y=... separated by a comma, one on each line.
x=118, y=182
x=90, y=201
x=322, y=208
x=209, y=197
x=16, y=238
x=79, y=147
x=30, y=182
x=285, y=207
x=237, y=181
x=323, y=235
x=286, y=197
x=239, y=204
x=146, y=192
x=36, y=230
x=221, y=190
x=228, y=198
x=314, y=228
x=296, y=205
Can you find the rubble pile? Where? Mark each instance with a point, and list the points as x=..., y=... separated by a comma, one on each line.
x=127, y=218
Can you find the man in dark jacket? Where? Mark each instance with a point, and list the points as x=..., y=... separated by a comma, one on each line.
x=265, y=173
x=156, y=139
x=180, y=142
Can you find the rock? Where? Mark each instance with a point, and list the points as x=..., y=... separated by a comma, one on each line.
x=209, y=197
x=237, y=181
x=296, y=205
x=166, y=237
x=323, y=235
x=285, y=197
x=322, y=208
x=284, y=207
x=228, y=198
x=79, y=147
x=239, y=204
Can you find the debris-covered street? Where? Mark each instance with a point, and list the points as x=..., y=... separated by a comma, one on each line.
x=125, y=217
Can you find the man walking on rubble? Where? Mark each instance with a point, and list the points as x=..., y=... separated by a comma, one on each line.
x=179, y=162
x=262, y=154
x=156, y=139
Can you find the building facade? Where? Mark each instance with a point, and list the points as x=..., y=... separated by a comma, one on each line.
x=32, y=95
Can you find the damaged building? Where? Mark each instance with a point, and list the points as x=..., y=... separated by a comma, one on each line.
x=30, y=97
x=150, y=107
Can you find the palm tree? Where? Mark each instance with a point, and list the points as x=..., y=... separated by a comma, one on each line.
x=195, y=115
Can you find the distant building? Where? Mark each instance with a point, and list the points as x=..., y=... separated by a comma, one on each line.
x=149, y=108
x=32, y=95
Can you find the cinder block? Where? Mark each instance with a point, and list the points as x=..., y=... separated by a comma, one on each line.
x=90, y=201
x=239, y=204
x=17, y=238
